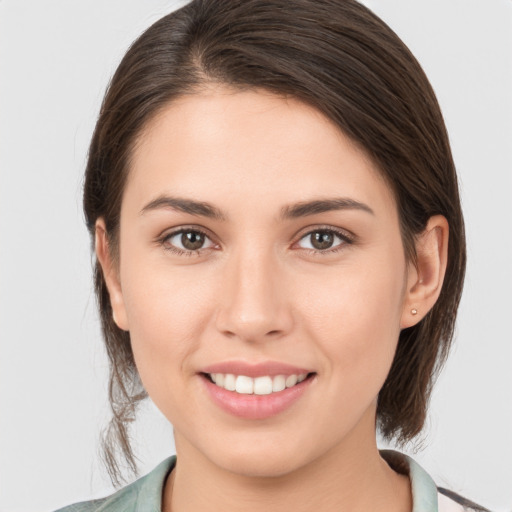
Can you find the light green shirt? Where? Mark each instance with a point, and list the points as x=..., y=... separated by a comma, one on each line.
x=145, y=494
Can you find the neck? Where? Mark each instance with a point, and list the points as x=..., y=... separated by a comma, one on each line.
x=352, y=477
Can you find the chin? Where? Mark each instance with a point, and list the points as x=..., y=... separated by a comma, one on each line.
x=263, y=465
x=261, y=457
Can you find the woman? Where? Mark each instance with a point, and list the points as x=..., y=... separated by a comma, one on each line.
x=280, y=256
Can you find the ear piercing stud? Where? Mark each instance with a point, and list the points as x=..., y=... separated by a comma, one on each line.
x=414, y=311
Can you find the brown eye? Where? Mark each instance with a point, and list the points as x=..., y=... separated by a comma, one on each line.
x=323, y=240
x=187, y=240
x=192, y=240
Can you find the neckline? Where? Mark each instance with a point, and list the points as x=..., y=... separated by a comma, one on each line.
x=423, y=488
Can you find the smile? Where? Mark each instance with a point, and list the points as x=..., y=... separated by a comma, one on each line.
x=264, y=385
x=259, y=397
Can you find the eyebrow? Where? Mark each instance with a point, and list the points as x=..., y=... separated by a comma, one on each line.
x=293, y=211
x=190, y=206
x=306, y=208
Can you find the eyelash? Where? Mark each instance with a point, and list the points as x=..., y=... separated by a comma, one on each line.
x=175, y=250
x=346, y=239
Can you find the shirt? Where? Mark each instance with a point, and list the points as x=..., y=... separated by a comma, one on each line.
x=145, y=494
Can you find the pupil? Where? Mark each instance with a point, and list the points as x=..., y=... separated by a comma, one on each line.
x=322, y=240
x=192, y=240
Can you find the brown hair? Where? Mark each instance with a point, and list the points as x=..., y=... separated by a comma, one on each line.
x=337, y=56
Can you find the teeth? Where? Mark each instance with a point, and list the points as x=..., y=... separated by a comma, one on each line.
x=257, y=386
x=278, y=383
x=244, y=385
x=262, y=386
x=229, y=382
x=291, y=380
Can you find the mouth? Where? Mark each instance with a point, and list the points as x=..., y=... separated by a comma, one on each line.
x=256, y=398
x=262, y=385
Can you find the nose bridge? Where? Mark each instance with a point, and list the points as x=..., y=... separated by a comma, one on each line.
x=254, y=306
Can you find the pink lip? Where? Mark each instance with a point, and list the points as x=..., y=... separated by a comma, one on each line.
x=255, y=407
x=270, y=368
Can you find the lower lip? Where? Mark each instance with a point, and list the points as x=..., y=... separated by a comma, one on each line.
x=256, y=407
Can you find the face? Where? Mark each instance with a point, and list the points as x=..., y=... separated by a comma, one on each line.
x=258, y=247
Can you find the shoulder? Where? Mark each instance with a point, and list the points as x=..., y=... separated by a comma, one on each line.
x=125, y=499
x=450, y=501
x=146, y=491
x=427, y=497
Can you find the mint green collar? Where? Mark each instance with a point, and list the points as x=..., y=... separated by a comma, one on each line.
x=149, y=496
x=424, y=489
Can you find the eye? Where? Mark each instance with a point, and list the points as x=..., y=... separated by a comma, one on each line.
x=323, y=240
x=187, y=241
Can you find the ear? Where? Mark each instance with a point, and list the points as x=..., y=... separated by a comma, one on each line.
x=425, y=279
x=110, y=274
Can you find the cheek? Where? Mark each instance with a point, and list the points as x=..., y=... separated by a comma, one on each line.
x=167, y=313
x=355, y=318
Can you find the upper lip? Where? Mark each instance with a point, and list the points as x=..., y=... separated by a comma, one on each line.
x=270, y=368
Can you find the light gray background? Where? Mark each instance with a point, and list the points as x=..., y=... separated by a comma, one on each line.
x=56, y=58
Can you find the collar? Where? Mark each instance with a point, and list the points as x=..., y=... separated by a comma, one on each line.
x=150, y=492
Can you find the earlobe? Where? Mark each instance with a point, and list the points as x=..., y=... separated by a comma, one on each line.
x=425, y=279
x=110, y=274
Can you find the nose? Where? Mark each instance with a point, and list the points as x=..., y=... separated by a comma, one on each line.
x=254, y=305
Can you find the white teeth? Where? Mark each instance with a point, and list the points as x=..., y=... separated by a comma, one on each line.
x=258, y=386
x=291, y=380
x=229, y=382
x=262, y=386
x=244, y=385
x=278, y=383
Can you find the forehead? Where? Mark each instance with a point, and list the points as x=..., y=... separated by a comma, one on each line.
x=253, y=143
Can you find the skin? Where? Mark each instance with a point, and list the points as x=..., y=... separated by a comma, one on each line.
x=258, y=290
